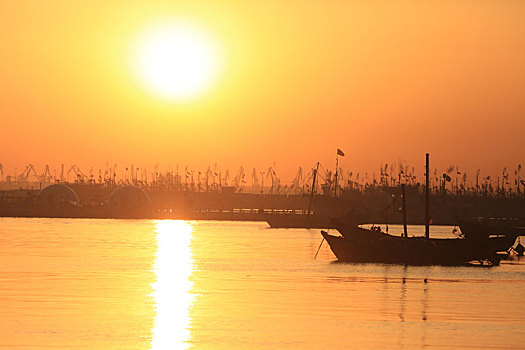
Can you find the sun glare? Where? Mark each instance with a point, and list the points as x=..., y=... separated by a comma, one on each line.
x=176, y=60
x=171, y=290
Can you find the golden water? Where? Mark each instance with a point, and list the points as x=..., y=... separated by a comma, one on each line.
x=140, y=284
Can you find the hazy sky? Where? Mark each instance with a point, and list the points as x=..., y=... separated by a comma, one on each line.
x=381, y=80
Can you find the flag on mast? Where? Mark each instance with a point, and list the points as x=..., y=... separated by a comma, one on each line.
x=340, y=153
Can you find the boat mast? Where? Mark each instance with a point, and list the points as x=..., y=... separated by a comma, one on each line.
x=336, y=180
x=313, y=191
x=336, y=176
x=427, y=198
x=403, y=194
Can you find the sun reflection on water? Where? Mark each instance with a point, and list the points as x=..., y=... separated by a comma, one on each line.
x=171, y=290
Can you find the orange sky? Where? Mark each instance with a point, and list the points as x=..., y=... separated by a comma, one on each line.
x=383, y=81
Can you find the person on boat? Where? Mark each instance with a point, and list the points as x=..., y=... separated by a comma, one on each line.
x=375, y=228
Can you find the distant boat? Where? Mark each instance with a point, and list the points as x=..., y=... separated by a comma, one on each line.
x=478, y=227
x=308, y=219
x=357, y=244
x=299, y=221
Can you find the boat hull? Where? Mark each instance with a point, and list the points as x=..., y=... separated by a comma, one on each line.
x=364, y=246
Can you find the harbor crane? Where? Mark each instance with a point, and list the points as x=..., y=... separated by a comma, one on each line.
x=46, y=175
x=238, y=180
x=255, y=179
x=296, y=182
x=226, y=177
x=78, y=173
x=275, y=181
x=27, y=172
x=209, y=176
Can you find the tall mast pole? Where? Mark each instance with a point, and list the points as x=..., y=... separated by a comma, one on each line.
x=427, y=198
x=403, y=194
x=336, y=174
x=312, y=192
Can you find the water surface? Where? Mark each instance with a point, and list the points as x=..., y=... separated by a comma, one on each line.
x=141, y=284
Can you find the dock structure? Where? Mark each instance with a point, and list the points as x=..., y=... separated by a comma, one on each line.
x=375, y=205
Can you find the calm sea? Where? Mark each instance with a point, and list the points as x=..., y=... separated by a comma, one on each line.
x=140, y=284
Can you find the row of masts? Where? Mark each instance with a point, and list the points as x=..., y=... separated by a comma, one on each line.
x=451, y=181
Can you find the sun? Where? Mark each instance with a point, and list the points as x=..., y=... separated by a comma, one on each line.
x=176, y=60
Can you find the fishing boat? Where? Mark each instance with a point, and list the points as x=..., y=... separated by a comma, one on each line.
x=357, y=244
